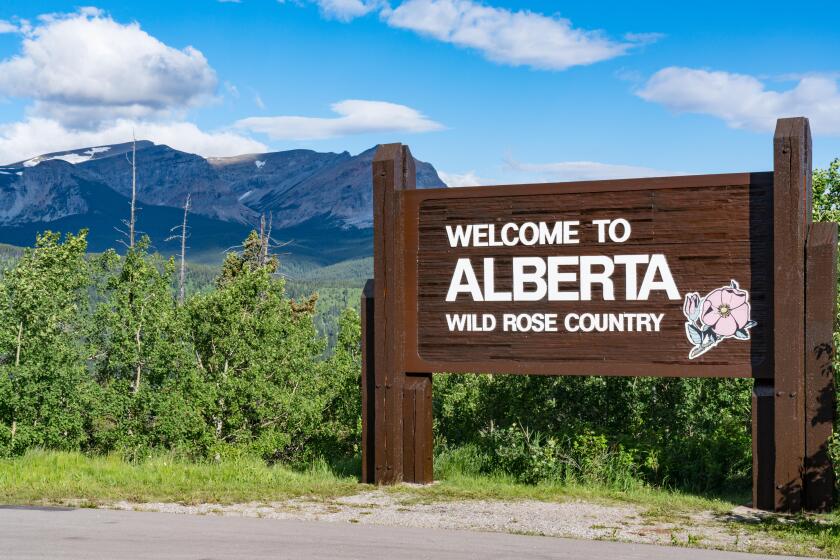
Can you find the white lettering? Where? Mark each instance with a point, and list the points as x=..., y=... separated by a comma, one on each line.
x=587, y=277
x=658, y=263
x=464, y=281
x=535, y=277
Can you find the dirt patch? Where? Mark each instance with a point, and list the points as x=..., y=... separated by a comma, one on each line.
x=575, y=519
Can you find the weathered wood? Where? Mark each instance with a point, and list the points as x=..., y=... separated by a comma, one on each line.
x=820, y=295
x=427, y=436
x=393, y=172
x=418, y=442
x=368, y=384
x=409, y=420
x=712, y=230
x=791, y=216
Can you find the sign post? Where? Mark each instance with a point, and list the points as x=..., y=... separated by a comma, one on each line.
x=690, y=276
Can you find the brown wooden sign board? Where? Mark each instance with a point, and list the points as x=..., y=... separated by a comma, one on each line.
x=690, y=276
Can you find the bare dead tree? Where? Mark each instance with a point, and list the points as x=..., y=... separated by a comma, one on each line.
x=262, y=246
x=261, y=252
x=266, y=240
x=132, y=216
x=182, y=236
x=131, y=221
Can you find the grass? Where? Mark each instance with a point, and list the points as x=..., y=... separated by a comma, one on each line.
x=61, y=478
x=55, y=478
x=804, y=534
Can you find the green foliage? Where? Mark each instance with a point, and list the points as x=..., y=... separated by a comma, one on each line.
x=257, y=352
x=826, y=188
x=342, y=429
x=610, y=430
x=44, y=386
x=96, y=355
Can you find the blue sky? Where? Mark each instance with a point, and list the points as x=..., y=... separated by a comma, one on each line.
x=489, y=92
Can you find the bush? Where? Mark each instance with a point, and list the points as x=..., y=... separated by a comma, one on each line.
x=97, y=355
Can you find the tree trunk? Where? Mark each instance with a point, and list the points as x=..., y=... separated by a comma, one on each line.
x=267, y=240
x=133, y=193
x=19, y=341
x=183, y=273
x=139, y=362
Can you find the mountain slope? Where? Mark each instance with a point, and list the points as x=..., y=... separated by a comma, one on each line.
x=320, y=203
x=349, y=196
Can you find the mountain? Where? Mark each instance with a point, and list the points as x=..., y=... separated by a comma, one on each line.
x=320, y=203
x=297, y=185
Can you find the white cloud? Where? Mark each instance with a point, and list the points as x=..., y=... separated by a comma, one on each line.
x=583, y=171
x=345, y=10
x=93, y=81
x=743, y=101
x=37, y=135
x=356, y=116
x=84, y=68
x=8, y=27
x=468, y=179
x=509, y=37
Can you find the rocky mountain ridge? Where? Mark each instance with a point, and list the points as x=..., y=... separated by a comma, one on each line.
x=295, y=186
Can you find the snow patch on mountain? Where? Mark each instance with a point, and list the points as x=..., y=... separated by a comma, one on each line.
x=101, y=149
x=69, y=157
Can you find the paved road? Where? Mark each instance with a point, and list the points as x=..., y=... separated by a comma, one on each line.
x=30, y=533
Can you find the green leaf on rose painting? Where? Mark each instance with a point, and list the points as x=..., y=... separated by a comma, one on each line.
x=742, y=334
x=693, y=333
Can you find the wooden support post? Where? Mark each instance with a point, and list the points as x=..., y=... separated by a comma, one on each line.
x=820, y=289
x=368, y=385
x=402, y=409
x=417, y=429
x=791, y=218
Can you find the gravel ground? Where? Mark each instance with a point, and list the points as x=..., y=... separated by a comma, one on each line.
x=575, y=519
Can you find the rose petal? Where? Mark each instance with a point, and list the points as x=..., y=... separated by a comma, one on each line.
x=734, y=298
x=741, y=314
x=726, y=326
x=710, y=314
x=715, y=298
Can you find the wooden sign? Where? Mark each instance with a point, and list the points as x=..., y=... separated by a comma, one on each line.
x=663, y=276
x=684, y=276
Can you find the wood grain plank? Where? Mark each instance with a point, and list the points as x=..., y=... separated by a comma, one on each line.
x=791, y=217
x=710, y=235
x=368, y=385
x=820, y=289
